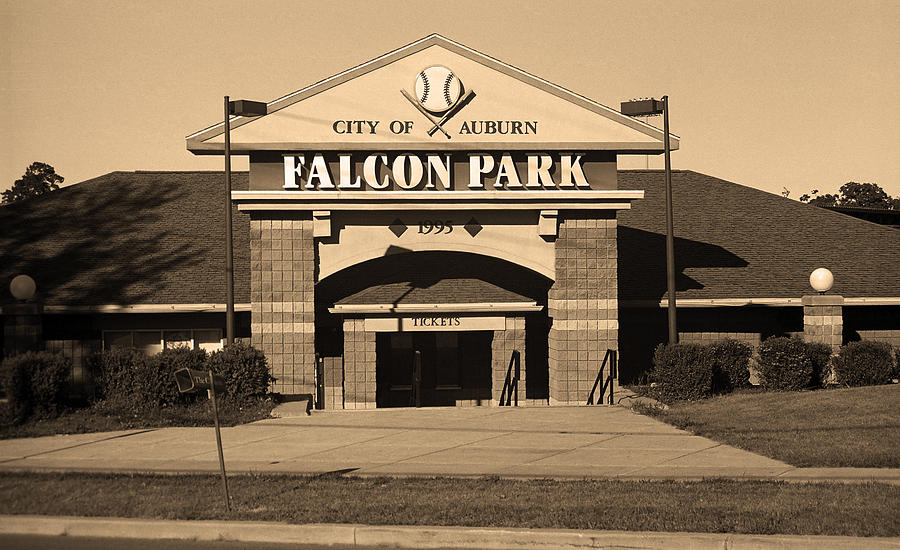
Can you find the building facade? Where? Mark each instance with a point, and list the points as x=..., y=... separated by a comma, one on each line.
x=436, y=227
x=422, y=221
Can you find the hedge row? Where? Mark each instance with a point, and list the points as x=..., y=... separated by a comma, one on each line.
x=792, y=364
x=691, y=371
x=866, y=363
x=35, y=384
x=127, y=380
x=134, y=382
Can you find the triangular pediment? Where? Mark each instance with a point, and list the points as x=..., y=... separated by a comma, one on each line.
x=364, y=108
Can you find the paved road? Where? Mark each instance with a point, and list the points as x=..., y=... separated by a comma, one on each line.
x=35, y=542
x=558, y=442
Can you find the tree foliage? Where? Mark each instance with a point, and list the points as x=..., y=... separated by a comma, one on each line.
x=853, y=194
x=39, y=178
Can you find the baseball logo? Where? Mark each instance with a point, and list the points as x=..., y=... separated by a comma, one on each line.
x=437, y=88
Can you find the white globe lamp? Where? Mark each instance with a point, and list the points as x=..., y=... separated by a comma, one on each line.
x=22, y=287
x=821, y=280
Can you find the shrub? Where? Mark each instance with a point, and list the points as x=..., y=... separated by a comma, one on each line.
x=787, y=364
x=244, y=369
x=115, y=370
x=730, y=363
x=864, y=363
x=135, y=382
x=157, y=382
x=820, y=355
x=35, y=384
x=897, y=362
x=681, y=372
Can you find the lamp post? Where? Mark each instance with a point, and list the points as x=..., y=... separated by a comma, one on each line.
x=650, y=107
x=241, y=107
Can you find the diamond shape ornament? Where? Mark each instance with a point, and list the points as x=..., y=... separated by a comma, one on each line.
x=473, y=227
x=397, y=227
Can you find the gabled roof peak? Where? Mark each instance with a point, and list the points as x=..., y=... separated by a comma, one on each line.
x=371, y=91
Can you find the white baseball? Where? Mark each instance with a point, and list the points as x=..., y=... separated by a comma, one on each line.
x=437, y=88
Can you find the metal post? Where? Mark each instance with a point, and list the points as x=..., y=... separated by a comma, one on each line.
x=417, y=378
x=229, y=253
x=212, y=396
x=670, y=229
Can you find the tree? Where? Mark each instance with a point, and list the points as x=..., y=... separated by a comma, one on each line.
x=863, y=195
x=39, y=178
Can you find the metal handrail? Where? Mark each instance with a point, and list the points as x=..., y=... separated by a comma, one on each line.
x=612, y=358
x=511, y=384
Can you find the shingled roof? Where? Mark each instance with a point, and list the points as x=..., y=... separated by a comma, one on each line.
x=734, y=241
x=156, y=238
x=127, y=238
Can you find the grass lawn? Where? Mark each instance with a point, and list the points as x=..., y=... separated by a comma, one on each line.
x=101, y=418
x=713, y=506
x=857, y=427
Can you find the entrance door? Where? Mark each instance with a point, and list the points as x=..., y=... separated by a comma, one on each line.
x=440, y=368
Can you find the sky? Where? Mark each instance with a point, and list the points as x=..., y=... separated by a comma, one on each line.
x=788, y=94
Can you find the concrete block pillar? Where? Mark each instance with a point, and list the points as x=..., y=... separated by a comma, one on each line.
x=582, y=305
x=282, y=282
x=22, y=328
x=333, y=370
x=508, y=360
x=359, y=365
x=823, y=320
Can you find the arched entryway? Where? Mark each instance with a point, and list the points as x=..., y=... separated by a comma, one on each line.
x=433, y=328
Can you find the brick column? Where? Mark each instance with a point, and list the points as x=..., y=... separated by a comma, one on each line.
x=823, y=320
x=359, y=365
x=582, y=305
x=282, y=281
x=503, y=346
x=22, y=328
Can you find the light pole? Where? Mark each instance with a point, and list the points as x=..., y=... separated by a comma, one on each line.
x=241, y=107
x=650, y=107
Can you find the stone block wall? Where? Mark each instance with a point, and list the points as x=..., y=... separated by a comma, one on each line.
x=503, y=345
x=333, y=368
x=359, y=365
x=582, y=304
x=282, y=280
x=823, y=320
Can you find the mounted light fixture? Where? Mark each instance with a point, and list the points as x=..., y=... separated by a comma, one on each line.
x=245, y=108
x=22, y=287
x=821, y=280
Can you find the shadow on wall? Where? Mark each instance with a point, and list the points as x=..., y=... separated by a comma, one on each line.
x=642, y=263
x=103, y=242
x=642, y=277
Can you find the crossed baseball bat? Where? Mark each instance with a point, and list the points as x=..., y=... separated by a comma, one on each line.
x=439, y=124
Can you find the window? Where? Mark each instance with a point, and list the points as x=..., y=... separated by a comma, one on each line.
x=178, y=339
x=154, y=341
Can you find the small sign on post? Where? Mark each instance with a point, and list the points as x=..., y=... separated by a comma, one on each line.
x=193, y=381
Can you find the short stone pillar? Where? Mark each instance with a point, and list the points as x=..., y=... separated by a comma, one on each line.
x=22, y=328
x=823, y=320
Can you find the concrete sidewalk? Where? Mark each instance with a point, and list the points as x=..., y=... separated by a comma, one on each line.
x=541, y=442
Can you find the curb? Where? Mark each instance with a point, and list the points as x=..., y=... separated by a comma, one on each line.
x=417, y=537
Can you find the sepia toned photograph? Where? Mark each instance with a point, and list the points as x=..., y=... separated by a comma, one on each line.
x=458, y=275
